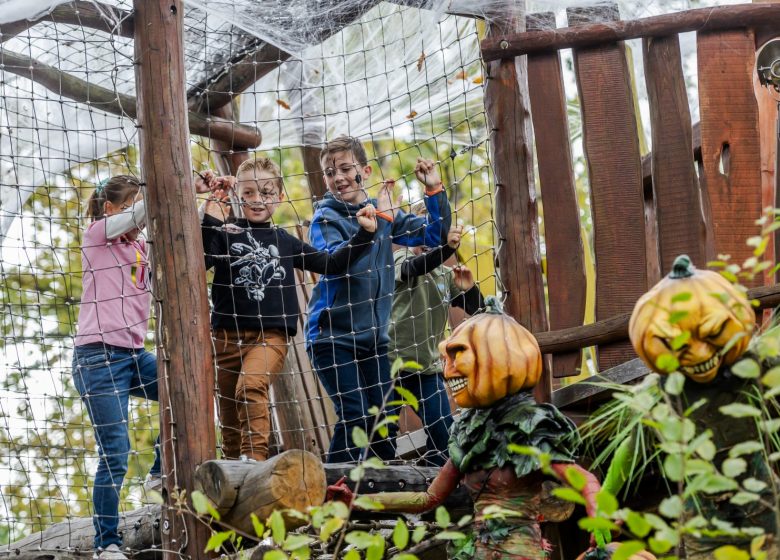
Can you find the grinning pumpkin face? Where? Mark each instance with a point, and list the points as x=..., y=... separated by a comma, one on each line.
x=607, y=552
x=489, y=357
x=701, y=303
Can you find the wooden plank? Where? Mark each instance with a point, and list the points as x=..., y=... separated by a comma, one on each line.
x=588, y=389
x=510, y=45
x=731, y=157
x=681, y=226
x=184, y=356
x=566, y=282
x=614, y=170
x=313, y=170
x=508, y=114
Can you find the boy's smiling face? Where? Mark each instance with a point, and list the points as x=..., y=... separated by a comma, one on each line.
x=341, y=170
x=260, y=194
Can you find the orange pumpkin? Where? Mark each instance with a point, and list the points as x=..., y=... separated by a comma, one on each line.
x=692, y=315
x=488, y=357
x=607, y=552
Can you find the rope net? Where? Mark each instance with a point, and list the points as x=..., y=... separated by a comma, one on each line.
x=405, y=82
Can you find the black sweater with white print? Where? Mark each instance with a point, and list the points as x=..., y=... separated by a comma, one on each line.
x=254, y=283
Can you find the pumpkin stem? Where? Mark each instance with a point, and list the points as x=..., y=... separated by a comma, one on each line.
x=493, y=305
x=682, y=268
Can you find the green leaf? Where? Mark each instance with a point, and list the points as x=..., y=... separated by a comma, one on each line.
x=742, y=498
x=734, y=467
x=673, y=468
x=359, y=437
x=329, y=527
x=740, y=410
x=408, y=397
x=754, y=485
x=715, y=484
x=682, y=296
x=257, y=525
x=377, y=549
x=746, y=369
x=418, y=534
x=607, y=503
x=569, y=495
x=200, y=502
x=772, y=377
x=351, y=554
x=442, y=517
x=627, y=549
x=278, y=530
x=680, y=340
x=400, y=534
x=217, y=540
x=659, y=546
x=295, y=541
x=637, y=524
x=575, y=478
x=667, y=363
x=730, y=552
x=671, y=507
x=592, y=524
x=449, y=536
x=676, y=381
x=745, y=448
x=465, y=520
x=397, y=366
x=360, y=539
x=278, y=555
x=770, y=426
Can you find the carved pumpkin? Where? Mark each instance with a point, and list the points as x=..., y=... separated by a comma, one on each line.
x=702, y=303
x=607, y=552
x=488, y=357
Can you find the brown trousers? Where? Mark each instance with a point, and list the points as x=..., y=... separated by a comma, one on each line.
x=246, y=359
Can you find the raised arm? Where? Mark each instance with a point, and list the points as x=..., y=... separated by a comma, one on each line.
x=133, y=218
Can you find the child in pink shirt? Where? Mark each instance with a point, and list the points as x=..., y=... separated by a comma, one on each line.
x=110, y=363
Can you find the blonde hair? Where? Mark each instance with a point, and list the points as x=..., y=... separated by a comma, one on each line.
x=262, y=164
x=346, y=144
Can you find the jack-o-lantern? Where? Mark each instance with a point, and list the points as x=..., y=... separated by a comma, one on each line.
x=488, y=357
x=607, y=552
x=692, y=315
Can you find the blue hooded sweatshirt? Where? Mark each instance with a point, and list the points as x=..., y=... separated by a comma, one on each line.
x=353, y=310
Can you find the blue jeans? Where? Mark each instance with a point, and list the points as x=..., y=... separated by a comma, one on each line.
x=434, y=411
x=355, y=380
x=105, y=377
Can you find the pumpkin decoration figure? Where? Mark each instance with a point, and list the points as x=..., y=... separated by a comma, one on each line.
x=491, y=364
x=607, y=552
x=692, y=315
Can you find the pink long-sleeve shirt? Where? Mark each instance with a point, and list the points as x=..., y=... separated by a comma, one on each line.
x=116, y=297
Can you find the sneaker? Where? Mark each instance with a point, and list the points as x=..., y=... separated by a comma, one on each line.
x=152, y=489
x=112, y=552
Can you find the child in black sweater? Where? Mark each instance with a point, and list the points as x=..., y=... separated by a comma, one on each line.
x=255, y=304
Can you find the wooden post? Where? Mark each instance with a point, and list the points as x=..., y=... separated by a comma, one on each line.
x=508, y=112
x=185, y=361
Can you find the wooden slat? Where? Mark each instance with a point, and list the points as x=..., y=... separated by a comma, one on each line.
x=313, y=170
x=508, y=113
x=614, y=169
x=566, y=282
x=681, y=225
x=729, y=138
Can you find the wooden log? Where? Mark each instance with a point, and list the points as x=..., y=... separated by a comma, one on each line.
x=678, y=210
x=508, y=113
x=510, y=45
x=184, y=355
x=616, y=328
x=611, y=147
x=731, y=157
x=140, y=531
x=566, y=283
x=116, y=103
x=291, y=480
x=228, y=158
x=313, y=170
x=593, y=389
x=81, y=13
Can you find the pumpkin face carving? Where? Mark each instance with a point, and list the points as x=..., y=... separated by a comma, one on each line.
x=701, y=303
x=607, y=552
x=488, y=357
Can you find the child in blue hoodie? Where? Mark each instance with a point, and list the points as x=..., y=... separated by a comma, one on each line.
x=349, y=315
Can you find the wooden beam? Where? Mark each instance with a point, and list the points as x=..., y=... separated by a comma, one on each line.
x=184, y=350
x=588, y=389
x=103, y=99
x=616, y=328
x=566, y=281
x=511, y=138
x=676, y=195
x=313, y=170
x=510, y=45
x=80, y=13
